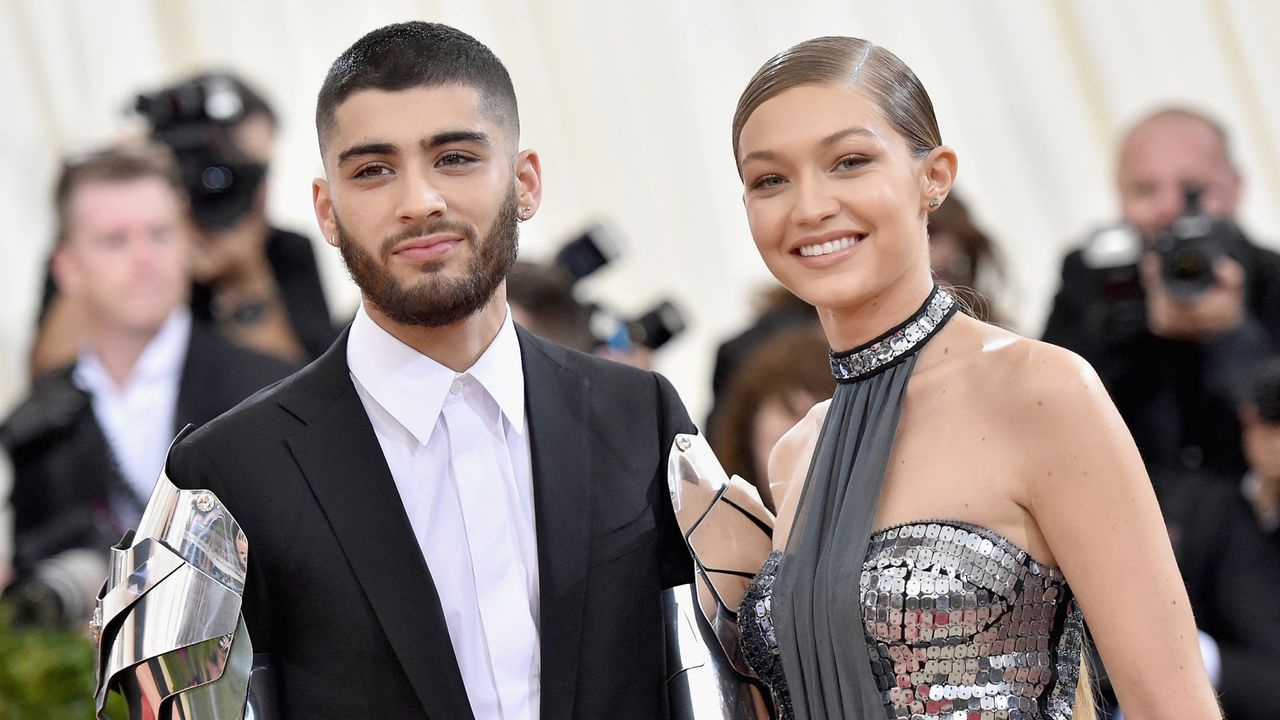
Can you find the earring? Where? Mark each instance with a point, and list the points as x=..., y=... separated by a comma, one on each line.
x=935, y=202
x=523, y=214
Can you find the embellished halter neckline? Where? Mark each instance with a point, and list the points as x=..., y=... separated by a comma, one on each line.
x=890, y=348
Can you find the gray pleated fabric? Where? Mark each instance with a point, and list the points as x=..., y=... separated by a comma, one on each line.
x=816, y=610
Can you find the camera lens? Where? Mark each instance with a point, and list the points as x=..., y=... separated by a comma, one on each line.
x=216, y=178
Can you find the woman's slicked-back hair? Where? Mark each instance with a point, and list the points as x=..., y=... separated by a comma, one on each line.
x=851, y=62
x=417, y=54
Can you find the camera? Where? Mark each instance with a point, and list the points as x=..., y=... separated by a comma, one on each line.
x=593, y=249
x=193, y=119
x=1191, y=245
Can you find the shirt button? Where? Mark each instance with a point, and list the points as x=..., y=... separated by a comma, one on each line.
x=458, y=386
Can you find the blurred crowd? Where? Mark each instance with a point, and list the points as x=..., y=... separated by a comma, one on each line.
x=170, y=297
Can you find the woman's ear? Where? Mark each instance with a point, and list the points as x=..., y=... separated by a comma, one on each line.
x=939, y=174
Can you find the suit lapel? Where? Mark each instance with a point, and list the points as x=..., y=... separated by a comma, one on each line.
x=339, y=454
x=556, y=404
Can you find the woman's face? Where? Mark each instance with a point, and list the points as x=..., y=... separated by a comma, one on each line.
x=835, y=200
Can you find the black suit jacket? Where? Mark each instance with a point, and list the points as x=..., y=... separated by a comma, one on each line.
x=340, y=597
x=65, y=477
x=1232, y=573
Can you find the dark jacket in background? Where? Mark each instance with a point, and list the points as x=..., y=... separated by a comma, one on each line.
x=65, y=477
x=1232, y=574
x=1178, y=398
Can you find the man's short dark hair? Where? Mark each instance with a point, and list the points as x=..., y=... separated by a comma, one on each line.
x=417, y=54
x=1262, y=390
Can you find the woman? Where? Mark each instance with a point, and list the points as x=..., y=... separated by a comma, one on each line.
x=944, y=519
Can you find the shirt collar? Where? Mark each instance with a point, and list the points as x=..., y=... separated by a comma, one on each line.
x=161, y=360
x=385, y=367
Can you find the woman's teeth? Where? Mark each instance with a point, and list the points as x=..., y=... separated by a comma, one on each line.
x=828, y=247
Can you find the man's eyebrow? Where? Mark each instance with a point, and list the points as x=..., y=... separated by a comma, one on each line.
x=454, y=136
x=427, y=143
x=366, y=149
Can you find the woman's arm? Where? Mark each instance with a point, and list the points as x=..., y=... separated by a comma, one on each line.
x=1094, y=504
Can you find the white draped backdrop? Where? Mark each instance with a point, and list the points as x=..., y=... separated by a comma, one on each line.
x=629, y=104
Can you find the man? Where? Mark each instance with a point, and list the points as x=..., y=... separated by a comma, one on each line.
x=1171, y=362
x=447, y=517
x=89, y=442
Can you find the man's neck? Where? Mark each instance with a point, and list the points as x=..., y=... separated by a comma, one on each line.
x=118, y=350
x=455, y=346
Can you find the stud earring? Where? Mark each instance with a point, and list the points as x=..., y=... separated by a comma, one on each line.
x=935, y=202
x=523, y=213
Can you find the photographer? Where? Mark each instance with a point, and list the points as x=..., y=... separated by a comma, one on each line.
x=258, y=284
x=1173, y=322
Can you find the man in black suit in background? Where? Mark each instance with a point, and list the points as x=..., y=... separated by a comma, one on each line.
x=447, y=517
x=90, y=440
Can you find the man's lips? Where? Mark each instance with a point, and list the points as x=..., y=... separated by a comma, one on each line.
x=429, y=247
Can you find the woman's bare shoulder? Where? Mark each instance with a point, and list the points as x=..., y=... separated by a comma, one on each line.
x=790, y=457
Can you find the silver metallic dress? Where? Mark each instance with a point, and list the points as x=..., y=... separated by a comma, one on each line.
x=930, y=620
x=960, y=624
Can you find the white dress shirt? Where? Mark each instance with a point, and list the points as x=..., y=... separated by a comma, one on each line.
x=457, y=447
x=138, y=416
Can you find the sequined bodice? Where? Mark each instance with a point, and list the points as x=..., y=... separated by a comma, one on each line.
x=960, y=623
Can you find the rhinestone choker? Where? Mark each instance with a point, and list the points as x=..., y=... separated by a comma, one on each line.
x=888, y=349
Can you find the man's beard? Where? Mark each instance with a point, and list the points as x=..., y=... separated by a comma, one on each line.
x=435, y=300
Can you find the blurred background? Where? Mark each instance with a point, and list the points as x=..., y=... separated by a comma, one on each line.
x=629, y=105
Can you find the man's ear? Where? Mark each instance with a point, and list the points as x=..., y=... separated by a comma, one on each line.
x=939, y=173
x=66, y=273
x=323, y=205
x=528, y=177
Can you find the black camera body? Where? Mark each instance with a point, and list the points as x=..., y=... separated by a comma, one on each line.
x=1190, y=247
x=193, y=119
x=592, y=250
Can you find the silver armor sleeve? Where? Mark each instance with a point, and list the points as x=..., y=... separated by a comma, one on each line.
x=729, y=534
x=169, y=634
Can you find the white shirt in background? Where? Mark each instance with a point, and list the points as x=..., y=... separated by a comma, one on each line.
x=458, y=451
x=138, y=416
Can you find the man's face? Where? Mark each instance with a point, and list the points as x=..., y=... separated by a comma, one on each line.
x=1163, y=157
x=125, y=257
x=422, y=197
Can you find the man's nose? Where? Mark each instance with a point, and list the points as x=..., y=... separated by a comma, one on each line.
x=421, y=198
